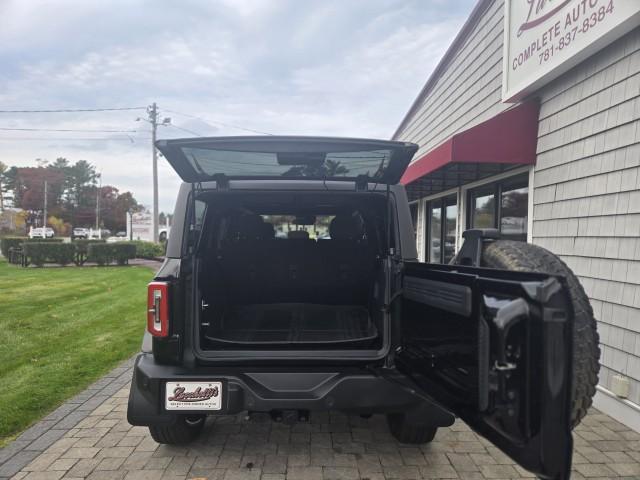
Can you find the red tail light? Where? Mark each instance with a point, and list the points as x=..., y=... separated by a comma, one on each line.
x=158, y=309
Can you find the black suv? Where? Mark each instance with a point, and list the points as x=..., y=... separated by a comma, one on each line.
x=292, y=285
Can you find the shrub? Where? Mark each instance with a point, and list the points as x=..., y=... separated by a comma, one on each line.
x=82, y=249
x=44, y=240
x=106, y=253
x=123, y=253
x=39, y=253
x=10, y=242
x=148, y=250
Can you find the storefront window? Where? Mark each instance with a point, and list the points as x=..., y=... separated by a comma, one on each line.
x=484, y=210
x=513, y=212
x=435, y=232
x=510, y=214
x=441, y=225
x=451, y=212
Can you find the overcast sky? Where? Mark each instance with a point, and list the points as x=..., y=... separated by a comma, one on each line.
x=344, y=68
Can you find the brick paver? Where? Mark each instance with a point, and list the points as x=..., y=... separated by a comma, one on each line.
x=89, y=438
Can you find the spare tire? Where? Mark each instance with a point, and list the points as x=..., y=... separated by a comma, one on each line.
x=520, y=256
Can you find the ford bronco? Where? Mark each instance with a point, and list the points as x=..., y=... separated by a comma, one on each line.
x=291, y=285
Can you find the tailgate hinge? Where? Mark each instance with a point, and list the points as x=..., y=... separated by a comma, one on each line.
x=222, y=181
x=362, y=183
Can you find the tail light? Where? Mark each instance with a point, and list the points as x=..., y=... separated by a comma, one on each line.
x=158, y=309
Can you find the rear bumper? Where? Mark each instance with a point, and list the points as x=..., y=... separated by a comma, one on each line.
x=260, y=389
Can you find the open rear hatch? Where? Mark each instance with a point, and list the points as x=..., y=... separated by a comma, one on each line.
x=275, y=157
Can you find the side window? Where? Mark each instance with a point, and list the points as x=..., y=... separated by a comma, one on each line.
x=503, y=205
x=413, y=209
x=201, y=208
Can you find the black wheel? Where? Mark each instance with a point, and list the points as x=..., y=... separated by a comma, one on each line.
x=520, y=256
x=184, y=430
x=406, y=431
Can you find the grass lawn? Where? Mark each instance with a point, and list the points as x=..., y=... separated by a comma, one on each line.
x=60, y=330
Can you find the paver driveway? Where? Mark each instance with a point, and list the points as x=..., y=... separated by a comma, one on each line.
x=89, y=437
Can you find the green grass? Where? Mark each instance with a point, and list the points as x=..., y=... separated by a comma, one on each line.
x=60, y=330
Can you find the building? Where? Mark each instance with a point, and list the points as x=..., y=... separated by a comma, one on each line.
x=531, y=124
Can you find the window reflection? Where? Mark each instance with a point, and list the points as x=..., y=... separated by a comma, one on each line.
x=484, y=211
x=435, y=227
x=513, y=212
x=451, y=214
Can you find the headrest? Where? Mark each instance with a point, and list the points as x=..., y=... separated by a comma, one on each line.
x=345, y=227
x=268, y=232
x=249, y=227
x=298, y=235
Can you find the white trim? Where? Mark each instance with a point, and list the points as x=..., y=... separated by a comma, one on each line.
x=624, y=411
x=425, y=235
x=530, y=206
x=495, y=178
x=446, y=193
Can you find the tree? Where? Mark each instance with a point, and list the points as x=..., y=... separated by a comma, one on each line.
x=81, y=175
x=114, y=207
x=29, y=188
x=71, y=194
x=164, y=217
x=329, y=168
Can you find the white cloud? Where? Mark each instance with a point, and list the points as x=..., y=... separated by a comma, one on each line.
x=279, y=66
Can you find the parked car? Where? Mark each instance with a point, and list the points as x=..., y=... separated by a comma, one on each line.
x=80, y=232
x=41, y=232
x=163, y=234
x=121, y=234
x=96, y=234
x=239, y=320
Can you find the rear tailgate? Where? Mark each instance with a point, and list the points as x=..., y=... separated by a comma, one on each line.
x=274, y=157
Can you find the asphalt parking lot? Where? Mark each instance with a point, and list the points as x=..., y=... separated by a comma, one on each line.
x=89, y=437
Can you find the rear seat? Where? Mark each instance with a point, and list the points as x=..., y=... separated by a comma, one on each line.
x=262, y=269
x=348, y=263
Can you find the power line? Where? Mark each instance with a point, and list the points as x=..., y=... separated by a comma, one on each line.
x=185, y=130
x=50, y=139
x=74, y=110
x=217, y=122
x=65, y=130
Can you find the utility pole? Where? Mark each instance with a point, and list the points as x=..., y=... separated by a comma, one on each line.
x=153, y=119
x=98, y=207
x=44, y=220
x=152, y=111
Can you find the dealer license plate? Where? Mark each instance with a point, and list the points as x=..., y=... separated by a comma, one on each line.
x=193, y=396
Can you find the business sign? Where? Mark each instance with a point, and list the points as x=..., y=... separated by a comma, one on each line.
x=140, y=226
x=545, y=38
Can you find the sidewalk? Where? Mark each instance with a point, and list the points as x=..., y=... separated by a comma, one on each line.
x=89, y=437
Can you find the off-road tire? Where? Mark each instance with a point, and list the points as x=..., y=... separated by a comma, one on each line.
x=183, y=431
x=407, y=432
x=520, y=256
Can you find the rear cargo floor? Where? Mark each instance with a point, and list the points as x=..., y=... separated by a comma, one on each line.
x=286, y=323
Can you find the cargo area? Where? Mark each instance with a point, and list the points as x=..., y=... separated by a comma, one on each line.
x=306, y=277
x=292, y=323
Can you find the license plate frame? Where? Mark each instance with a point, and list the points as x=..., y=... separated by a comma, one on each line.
x=193, y=396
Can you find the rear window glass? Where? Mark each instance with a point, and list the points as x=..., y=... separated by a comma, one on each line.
x=288, y=226
x=372, y=163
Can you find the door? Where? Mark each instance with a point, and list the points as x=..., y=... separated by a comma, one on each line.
x=275, y=157
x=494, y=347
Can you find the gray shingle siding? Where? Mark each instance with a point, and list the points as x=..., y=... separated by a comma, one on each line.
x=587, y=193
x=468, y=92
x=586, y=197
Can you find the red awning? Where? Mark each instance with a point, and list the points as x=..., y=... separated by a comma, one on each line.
x=505, y=141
